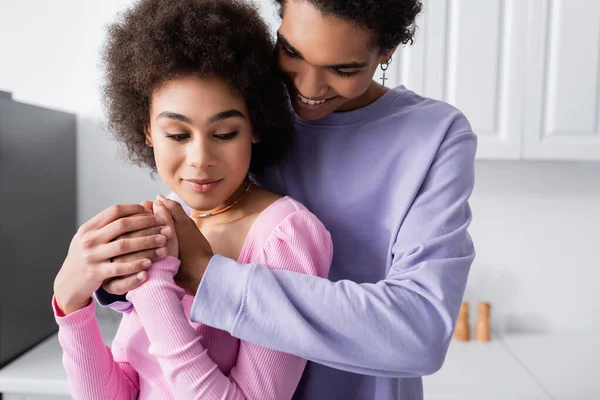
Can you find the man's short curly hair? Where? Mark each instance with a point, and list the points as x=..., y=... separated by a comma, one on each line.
x=158, y=40
x=392, y=21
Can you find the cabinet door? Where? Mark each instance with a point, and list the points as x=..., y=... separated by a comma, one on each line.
x=562, y=119
x=470, y=53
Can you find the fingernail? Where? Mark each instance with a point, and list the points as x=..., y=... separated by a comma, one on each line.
x=165, y=231
x=141, y=276
x=147, y=264
x=161, y=252
x=161, y=240
x=149, y=211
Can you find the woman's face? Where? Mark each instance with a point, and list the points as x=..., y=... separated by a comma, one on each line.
x=202, y=140
x=326, y=59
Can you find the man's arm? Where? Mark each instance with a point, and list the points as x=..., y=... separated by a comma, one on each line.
x=398, y=327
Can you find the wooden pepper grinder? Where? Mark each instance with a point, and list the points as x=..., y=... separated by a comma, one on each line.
x=462, y=332
x=482, y=329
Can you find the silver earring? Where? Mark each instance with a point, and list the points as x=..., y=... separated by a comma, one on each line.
x=384, y=68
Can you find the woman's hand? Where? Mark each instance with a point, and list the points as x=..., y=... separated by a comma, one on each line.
x=162, y=212
x=96, y=243
x=194, y=250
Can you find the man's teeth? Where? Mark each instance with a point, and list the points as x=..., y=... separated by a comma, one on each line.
x=311, y=102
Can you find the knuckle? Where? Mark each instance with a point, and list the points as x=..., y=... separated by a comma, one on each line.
x=111, y=271
x=88, y=257
x=87, y=242
x=121, y=224
x=81, y=230
x=122, y=245
x=113, y=211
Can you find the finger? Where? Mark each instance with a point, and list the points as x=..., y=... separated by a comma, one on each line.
x=147, y=204
x=177, y=212
x=124, y=284
x=125, y=246
x=113, y=213
x=154, y=255
x=163, y=212
x=111, y=270
x=157, y=230
x=128, y=225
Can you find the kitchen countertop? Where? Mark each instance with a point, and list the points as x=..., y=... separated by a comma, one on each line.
x=532, y=367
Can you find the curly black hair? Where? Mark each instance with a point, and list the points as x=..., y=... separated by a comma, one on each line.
x=392, y=21
x=158, y=40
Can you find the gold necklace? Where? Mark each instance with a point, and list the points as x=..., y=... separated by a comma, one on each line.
x=222, y=210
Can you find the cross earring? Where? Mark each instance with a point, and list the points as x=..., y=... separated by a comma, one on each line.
x=384, y=68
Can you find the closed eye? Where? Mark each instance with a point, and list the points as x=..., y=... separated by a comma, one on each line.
x=344, y=74
x=226, y=136
x=178, y=137
x=287, y=52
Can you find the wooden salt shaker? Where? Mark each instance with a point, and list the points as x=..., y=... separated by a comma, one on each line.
x=462, y=332
x=482, y=329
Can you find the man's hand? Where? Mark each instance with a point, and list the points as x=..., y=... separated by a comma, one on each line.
x=194, y=250
x=96, y=243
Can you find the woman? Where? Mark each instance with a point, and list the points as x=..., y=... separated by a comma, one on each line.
x=389, y=173
x=185, y=109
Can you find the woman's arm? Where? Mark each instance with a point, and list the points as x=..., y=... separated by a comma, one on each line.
x=259, y=373
x=94, y=372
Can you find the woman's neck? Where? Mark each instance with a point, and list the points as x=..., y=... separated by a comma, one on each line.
x=236, y=207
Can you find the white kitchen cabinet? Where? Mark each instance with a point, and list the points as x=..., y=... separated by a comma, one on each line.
x=525, y=72
x=562, y=91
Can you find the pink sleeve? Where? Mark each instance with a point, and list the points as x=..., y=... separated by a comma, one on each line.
x=260, y=373
x=188, y=369
x=300, y=243
x=93, y=370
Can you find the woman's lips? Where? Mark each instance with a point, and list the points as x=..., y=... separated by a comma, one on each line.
x=202, y=186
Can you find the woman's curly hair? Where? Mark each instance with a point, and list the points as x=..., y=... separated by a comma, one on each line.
x=158, y=40
x=392, y=21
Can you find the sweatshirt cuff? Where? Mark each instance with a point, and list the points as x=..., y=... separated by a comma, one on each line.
x=78, y=318
x=108, y=300
x=221, y=294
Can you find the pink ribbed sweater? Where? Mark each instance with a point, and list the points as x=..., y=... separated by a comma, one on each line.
x=158, y=353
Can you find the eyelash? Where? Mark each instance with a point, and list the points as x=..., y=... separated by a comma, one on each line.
x=180, y=137
x=288, y=53
x=225, y=137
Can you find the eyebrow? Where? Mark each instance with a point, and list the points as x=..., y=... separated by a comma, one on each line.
x=348, y=65
x=175, y=116
x=226, y=114
x=217, y=117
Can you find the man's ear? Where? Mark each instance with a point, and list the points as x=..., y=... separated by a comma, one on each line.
x=385, y=57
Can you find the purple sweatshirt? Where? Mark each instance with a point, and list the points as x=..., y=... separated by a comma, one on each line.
x=391, y=183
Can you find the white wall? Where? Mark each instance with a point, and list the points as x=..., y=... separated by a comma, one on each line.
x=536, y=229
x=536, y=226
x=49, y=56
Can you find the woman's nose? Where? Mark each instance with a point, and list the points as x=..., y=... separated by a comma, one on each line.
x=201, y=155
